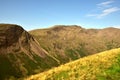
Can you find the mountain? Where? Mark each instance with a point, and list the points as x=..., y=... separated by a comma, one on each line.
x=25, y=53
x=20, y=53
x=72, y=42
x=100, y=66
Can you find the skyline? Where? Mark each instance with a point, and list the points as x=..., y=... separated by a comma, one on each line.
x=36, y=14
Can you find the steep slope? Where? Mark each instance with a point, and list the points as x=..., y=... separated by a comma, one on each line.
x=20, y=53
x=100, y=66
x=68, y=43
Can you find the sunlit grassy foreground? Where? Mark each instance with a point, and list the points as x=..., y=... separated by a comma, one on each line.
x=101, y=66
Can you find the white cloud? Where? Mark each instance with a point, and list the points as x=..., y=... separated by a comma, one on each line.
x=105, y=4
x=105, y=12
x=90, y=15
x=108, y=11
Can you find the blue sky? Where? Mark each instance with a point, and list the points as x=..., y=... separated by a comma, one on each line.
x=34, y=14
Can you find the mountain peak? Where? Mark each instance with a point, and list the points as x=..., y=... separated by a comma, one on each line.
x=20, y=53
x=66, y=26
x=9, y=33
x=62, y=27
x=12, y=37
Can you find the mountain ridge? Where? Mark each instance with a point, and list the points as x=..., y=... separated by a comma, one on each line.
x=25, y=53
x=59, y=39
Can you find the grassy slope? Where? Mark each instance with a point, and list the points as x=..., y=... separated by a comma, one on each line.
x=101, y=66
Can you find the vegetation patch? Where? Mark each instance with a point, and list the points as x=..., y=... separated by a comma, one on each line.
x=101, y=66
x=113, y=72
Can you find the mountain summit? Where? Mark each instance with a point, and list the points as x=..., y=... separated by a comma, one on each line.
x=13, y=38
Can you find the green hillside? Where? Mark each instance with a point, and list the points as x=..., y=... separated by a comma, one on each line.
x=101, y=66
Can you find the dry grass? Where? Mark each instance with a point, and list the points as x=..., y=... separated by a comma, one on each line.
x=85, y=68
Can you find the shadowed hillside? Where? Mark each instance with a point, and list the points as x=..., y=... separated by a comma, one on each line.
x=101, y=66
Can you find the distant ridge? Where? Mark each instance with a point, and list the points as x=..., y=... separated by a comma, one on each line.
x=71, y=42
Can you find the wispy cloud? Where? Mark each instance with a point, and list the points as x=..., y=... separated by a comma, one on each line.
x=105, y=4
x=106, y=9
x=90, y=15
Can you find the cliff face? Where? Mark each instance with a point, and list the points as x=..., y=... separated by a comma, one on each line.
x=20, y=53
x=14, y=39
x=9, y=36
